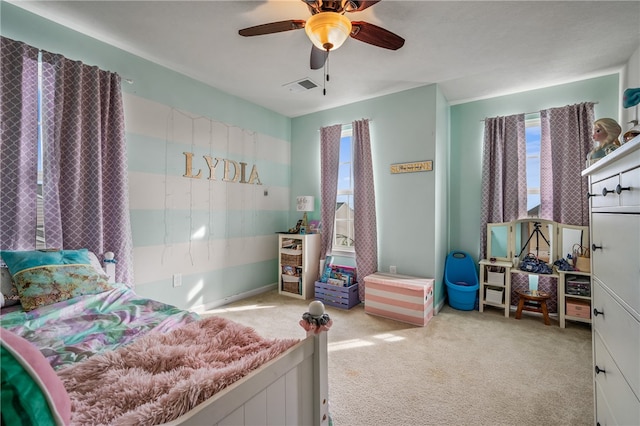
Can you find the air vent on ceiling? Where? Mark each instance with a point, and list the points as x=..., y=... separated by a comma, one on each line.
x=301, y=85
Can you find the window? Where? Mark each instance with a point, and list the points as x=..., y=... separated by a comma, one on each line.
x=343, y=232
x=532, y=126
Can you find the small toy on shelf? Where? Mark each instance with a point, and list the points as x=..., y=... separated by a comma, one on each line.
x=605, y=134
x=296, y=229
x=631, y=98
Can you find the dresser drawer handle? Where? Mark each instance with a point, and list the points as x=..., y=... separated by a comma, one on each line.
x=594, y=247
x=589, y=195
x=619, y=189
x=606, y=191
x=600, y=370
x=596, y=312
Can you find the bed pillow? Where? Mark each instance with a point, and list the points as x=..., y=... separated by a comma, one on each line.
x=20, y=260
x=93, y=259
x=45, y=285
x=32, y=393
x=46, y=277
x=8, y=291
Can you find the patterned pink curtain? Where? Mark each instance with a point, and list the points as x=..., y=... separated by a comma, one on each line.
x=85, y=191
x=504, y=178
x=329, y=162
x=364, y=203
x=564, y=145
x=18, y=144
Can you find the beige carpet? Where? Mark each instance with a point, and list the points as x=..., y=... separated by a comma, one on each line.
x=463, y=368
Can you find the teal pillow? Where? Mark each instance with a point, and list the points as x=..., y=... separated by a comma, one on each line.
x=46, y=277
x=20, y=260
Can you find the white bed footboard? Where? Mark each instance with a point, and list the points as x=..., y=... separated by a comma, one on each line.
x=289, y=390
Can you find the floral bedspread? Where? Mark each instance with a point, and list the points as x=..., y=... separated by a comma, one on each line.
x=73, y=330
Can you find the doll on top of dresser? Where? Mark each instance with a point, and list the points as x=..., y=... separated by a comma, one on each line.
x=605, y=135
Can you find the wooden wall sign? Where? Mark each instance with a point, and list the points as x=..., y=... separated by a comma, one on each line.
x=417, y=166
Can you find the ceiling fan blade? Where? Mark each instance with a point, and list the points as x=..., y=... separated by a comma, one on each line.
x=313, y=6
x=273, y=27
x=357, y=6
x=375, y=35
x=318, y=58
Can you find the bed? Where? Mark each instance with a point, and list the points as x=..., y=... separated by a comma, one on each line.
x=94, y=352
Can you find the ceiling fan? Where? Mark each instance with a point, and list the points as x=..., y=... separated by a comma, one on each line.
x=328, y=28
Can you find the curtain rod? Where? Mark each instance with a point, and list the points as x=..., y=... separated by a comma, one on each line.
x=348, y=124
x=536, y=112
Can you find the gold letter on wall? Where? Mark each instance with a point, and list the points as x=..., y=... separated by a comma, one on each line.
x=226, y=171
x=254, y=178
x=243, y=168
x=188, y=172
x=212, y=167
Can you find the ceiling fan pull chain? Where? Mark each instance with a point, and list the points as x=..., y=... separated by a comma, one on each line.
x=326, y=74
x=326, y=64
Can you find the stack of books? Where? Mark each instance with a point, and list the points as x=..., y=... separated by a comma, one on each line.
x=338, y=275
x=292, y=244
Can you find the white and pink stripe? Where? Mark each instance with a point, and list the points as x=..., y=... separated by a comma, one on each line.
x=399, y=297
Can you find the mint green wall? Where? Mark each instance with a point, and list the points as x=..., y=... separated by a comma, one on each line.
x=441, y=199
x=405, y=127
x=467, y=132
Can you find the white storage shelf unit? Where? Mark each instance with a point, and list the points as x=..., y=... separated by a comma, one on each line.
x=495, y=285
x=298, y=264
x=567, y=297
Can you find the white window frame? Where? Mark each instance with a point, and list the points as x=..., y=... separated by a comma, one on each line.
x=341, y=250
x=533, y=121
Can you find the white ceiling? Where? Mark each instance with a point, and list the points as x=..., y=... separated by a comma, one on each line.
x=472, y=49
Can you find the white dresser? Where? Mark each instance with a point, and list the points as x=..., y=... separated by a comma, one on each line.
x=614, y=184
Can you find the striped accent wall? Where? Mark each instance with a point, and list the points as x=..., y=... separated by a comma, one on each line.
x=219, y=235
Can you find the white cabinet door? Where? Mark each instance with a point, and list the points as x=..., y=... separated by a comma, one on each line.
x=620, y=333
x=616, y=258
x=620, y=399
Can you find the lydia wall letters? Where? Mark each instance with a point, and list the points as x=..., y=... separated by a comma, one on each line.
x=239, y=170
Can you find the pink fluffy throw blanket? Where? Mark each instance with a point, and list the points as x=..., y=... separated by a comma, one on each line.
x=162, y=376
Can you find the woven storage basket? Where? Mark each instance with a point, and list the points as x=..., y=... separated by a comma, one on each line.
x=583, y=264
x=581, y=256
x=291, y=284
x=495, y=278
x=291, y=259
x=290, y=287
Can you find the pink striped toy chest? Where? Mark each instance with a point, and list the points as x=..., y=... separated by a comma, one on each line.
x=399, y=297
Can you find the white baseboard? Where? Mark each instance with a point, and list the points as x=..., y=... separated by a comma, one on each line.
x=221, y=302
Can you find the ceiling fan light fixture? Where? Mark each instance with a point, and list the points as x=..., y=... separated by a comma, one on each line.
x=328, y=30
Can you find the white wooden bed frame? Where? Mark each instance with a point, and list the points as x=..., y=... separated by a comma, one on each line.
x=291, y=389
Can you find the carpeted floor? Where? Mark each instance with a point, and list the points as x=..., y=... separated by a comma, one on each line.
x=463, y=368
